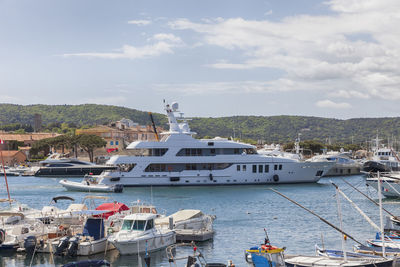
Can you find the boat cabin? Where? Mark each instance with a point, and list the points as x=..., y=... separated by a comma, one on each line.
x=138, y=222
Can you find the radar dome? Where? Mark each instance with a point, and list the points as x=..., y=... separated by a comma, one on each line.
x=175, y=106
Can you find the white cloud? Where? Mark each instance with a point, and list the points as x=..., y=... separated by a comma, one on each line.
x=111, y=100
x=331, y=104
x=357, y=47
x=349, y=94
x=140, y=22
x=164, y=45
x=228, y=87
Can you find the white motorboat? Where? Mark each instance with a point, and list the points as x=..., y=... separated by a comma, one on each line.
x=189, y=225
x=344, y=165
x=139, y=234
x=15, y=228
x=91, y=241
x=178, y=159
x=88, y=186
x=390, y=183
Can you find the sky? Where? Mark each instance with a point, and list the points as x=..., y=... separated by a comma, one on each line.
x=333, y=58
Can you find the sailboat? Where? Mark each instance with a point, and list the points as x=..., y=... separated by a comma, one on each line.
x=324, y=260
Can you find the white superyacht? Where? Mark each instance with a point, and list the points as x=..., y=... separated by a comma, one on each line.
x=178, y=159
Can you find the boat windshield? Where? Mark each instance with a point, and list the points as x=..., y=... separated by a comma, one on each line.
x=137, y=225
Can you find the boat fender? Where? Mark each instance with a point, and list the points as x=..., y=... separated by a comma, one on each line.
x=2, y=236
x=211, y=177
x=275, y=177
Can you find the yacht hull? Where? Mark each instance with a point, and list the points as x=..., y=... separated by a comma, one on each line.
x=293, y=172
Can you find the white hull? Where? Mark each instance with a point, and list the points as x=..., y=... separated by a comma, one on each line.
x=390, y=187
x=83, y=187
x=85, y=248
x=292, y=172
x=141, y=244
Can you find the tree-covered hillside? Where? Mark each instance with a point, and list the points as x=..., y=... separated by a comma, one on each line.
x=280, y=129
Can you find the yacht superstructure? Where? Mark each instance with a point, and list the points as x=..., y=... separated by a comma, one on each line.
x=179, y=159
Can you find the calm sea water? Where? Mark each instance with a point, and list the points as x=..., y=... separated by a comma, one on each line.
x=242, y=214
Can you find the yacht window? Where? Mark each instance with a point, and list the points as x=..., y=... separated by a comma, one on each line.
x=254, y=168
x=111, y=143
x=127, y=225
x=139, y=225
x=280, y=166
x=150, y=225
x=244, y=168
x=236, y=151
x=260, y=168
x=212, y=151
x=60, y=165
x=275, y=167
x=116, y=143
x=266, y=168
x=238, y=167
x=210, y=143
x=146, y=152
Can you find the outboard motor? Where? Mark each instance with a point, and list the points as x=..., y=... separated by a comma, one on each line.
x=30, y=244
x=72, y=250
x=62, y=245
x=118, y=188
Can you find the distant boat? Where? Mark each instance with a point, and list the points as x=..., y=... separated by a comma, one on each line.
x=390, y=183
x=88, y=186
x=57, y=166
x=384, y=160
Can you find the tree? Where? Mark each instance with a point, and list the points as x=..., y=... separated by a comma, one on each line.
x=89, y=142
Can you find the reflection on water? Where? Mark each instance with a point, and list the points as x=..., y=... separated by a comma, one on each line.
x=242, y=214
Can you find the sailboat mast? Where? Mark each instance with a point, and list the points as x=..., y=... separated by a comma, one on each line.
x=5, y=175
x=340, y=223
x=381, y=214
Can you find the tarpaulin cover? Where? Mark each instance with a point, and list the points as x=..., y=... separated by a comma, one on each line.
x=112, y=208
x=94, y=228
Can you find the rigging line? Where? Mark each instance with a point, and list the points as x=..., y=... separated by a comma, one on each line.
x=356, y=207
x=373, y=201
x=313, y=213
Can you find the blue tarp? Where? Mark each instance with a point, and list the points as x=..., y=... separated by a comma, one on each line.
x=94, y=227
x=260, y=261
x=88, y=263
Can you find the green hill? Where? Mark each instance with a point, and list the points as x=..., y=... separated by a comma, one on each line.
x=271, y=129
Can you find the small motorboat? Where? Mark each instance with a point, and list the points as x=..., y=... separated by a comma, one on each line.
x=91, y=241
x=87, y=185
x=139, y=234
x=265, y=254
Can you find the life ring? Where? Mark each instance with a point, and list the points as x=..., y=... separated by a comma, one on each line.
x=61, y=227
x=275, y=177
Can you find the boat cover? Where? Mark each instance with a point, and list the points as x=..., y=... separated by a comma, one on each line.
x=181, y=215
x=112, y=208
x=94, y=228
x=88, y=263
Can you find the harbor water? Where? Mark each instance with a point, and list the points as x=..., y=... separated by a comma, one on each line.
x=242, y=214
